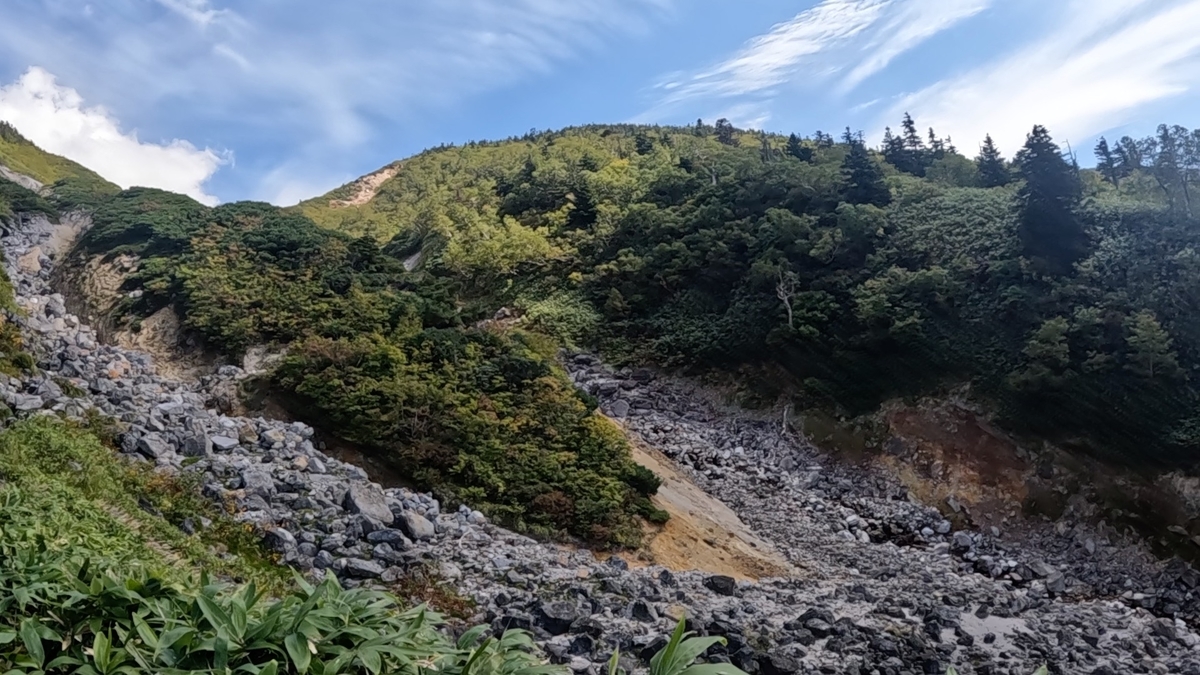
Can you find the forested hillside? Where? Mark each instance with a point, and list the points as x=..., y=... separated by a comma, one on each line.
x=1066, y=297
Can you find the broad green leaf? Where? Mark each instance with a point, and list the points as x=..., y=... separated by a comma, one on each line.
x=713, y=669
x=33, y=642
x=297, y=648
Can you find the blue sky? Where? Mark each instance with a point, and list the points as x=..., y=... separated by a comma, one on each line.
x=284, y=99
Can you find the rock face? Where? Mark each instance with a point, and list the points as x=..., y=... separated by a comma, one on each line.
x=886, y=585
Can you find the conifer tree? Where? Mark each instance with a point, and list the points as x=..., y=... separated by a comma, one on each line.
x=893, y=148
x=798, y=150
x=992, y=170
x=643, y=144
x=1150, y=352
x=1050, y=230
x=725, y=133
x=1107, y=162
x=912, y=139
x=862, y=179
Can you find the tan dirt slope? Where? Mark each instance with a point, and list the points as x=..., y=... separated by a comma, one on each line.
x=703, y=533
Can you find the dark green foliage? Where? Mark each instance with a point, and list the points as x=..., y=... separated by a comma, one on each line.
x=862, y=179
x=1068, y=305
x=799, y=150
x=81, y=192
x=17, y=199
x=482, y=418
x=1051, y=231
x=9, y=133
x=993, y=172
x=726, y=133
x=1107, y=163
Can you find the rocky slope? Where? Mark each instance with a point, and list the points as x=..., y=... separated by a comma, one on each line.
x=881, y=584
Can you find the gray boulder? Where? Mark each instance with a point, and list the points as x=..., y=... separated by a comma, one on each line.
x=196, y=445
x=27, y=402
x=416, y=526
x=363, y=569
x=368, y=500
x=279, y=539
x=224, y=443
x=152, y=446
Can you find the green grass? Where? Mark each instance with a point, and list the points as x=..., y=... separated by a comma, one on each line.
x=22, y=156
x=60, y=480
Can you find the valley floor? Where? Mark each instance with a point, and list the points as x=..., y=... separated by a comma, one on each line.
x=809, y=566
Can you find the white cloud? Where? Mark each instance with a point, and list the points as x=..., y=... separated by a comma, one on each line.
x=847, y=39
x=54, y=117
x=305, y=78
x=907, y=26
x=1101, y=61
x=197, y=11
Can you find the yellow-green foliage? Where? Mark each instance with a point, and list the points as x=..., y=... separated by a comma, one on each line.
x=22, y=156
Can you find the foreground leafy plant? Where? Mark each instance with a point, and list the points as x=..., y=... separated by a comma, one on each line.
x=678, y=656
x=74, y=615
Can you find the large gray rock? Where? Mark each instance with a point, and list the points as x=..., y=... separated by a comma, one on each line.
x=368, y=500
x=196, y=445
x=363, y=569
x=27, y=402
x=416, y=526
x=224, y=443
x=557, y=617
x=258, y=481
x=279, y=539
x=152, y=446
x=721, y=584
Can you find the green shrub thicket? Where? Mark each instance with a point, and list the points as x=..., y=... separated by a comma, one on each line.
x=481, y=416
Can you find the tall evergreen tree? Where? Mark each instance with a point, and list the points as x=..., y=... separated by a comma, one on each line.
x=912, y=139
x=908, y=152
x=643, y=144
x=993, y=172
x=1130, y=155
x=1169, y=166
x=1050, y=230
x=893, y=148
x=862, y=179
x=798, y=150
x=1150, y=347
x=725, y=132
x=1107, y=162
x=937, y=148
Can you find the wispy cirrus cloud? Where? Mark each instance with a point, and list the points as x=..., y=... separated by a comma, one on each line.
x=199, y=12
x=843, y=40
x=1100, y=62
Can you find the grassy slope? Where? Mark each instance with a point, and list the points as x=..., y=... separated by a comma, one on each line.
x=22, y=156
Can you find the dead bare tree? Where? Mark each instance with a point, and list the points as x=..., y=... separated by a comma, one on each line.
x=785, y=290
